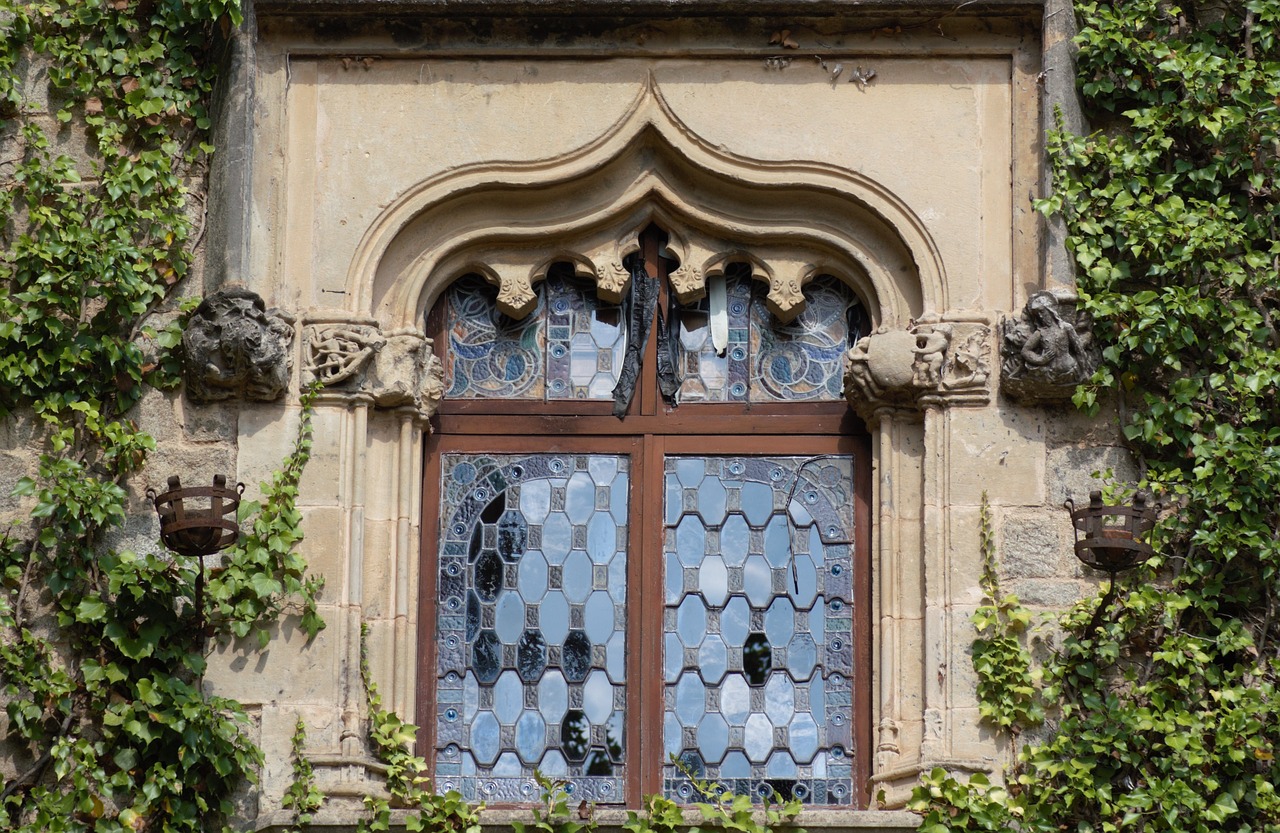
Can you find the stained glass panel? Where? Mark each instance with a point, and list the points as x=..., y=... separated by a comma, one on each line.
x=570, y=347
x=802, y=360
x=489, y=355
x=764, y=360
x=532, y=609
x=758, y=659
x=705, y=374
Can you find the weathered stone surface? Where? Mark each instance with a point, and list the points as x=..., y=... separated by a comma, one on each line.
x=997, y=452
x=1048, y=351
x=1076, y=471
x=1031, y=546
x=234, y=347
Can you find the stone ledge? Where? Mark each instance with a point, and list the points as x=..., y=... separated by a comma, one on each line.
x=611, y=820
x=641, y=8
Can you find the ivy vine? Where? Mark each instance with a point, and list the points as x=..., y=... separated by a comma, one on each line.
x=104, y=135
x=1167, y=718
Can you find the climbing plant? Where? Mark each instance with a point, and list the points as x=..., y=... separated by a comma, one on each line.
x=103, y=151
x=1168, y=716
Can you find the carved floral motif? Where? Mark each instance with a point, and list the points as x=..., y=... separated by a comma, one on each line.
x=235, y=347
x=1048, y=350
x=395, y=369
x=612, y=279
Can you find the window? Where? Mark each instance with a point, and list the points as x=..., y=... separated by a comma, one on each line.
x=690, y=580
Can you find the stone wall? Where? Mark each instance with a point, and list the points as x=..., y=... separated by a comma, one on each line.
x=363, y=143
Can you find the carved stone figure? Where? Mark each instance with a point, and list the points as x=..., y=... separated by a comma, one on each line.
x=1048, y=350
x=337, y=352
x=235, y=347
x=930, y=350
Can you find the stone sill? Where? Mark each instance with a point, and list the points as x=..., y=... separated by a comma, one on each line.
x=641, y=8
x=611, y=820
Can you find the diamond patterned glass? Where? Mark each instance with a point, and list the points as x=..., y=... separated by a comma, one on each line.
x=569, y=347
x=758, y=625
x=532, y=590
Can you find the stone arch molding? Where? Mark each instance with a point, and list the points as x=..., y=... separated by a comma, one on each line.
x=510, y=221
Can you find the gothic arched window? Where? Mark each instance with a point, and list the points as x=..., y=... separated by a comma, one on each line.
x=688, y=578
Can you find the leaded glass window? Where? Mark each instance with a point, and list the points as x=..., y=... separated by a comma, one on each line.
x=758, y=626
x=764, y=360
x=531, y=670
x=569, y=347
x=602, y=593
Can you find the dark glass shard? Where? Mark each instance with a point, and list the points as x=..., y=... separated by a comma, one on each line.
x=576, y=656
x=757, y=658
x=489, y=576
x=495, y=509
x=477, y=542
x=531, y=656
x=486, y=657
x=598, y=763
x=473, y=615
x=575, y=735
x=691, y=764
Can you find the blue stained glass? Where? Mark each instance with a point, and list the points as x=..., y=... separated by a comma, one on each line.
x=569, y=347
x=517, y=644
x=752, y=698
x=803, y=360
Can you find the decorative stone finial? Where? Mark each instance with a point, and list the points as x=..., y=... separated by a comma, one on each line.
x=235, y=347
x=1048, y=350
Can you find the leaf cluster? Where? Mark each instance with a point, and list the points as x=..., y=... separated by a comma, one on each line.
x=392, y=740
x=102, y=650
x=1166, y=716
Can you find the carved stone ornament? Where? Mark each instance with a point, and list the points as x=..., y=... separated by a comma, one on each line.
x=1048, y=350
x=932, y=361
x=235, y=347
x=394, y=370
x=337, y=352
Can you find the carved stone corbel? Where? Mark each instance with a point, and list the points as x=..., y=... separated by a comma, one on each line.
x=1048, y=350
x=235, y=347
x=612, y=280
x=393, y=370
x=931, y=362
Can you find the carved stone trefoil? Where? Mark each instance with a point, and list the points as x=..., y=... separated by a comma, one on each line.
x=234, y=346
x=393, y=370
x=932, y=361
x=1048, y=350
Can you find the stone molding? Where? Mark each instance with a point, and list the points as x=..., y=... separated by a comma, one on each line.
x=933, y=362
x=234, y=347
x=599, y=256
x=353, y=357
x=648, y=167
x=1048, y=350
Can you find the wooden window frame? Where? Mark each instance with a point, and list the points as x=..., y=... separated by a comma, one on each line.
x=649, y=432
